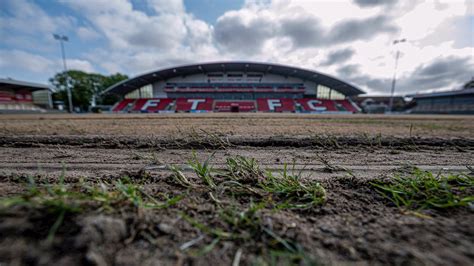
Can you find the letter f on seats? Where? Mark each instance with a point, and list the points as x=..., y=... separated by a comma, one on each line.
x=272, y=104
x=150, y=103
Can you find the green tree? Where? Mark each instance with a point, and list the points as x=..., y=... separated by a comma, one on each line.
x=85, y=87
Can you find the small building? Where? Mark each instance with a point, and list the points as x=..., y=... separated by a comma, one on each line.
x=22, y=96
x=447, y=102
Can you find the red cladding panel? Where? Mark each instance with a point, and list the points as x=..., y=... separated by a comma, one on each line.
x=124, y=103
x=275, y=105
x=347, y=105
x=190, y=104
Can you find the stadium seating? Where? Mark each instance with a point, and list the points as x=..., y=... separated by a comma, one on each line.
x=194, y=104
x=7, y=96
x=23, y=96
x=151, y=105
x=324, y=105
x=275, y=105
x=349, y=107
x=234, y=106
x=316, y=105
x=233, y=87
x=122, y=105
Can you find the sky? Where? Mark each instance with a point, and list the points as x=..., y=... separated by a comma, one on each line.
x=349, y=39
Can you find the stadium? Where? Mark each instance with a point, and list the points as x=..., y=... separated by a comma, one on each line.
x=235, y=87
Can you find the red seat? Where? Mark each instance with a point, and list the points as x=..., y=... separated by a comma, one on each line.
x=121, y=105
x=23, y=96
x=152, y=105
x=347, y=105
x=317, y=105
x=275, y=105
x=235, y=106
x=194, y=104
x=6, y=96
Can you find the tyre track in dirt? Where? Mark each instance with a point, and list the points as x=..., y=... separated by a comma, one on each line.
x=91, y=162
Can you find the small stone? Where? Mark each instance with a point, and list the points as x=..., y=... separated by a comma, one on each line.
x=165, y=228
x=101, y=229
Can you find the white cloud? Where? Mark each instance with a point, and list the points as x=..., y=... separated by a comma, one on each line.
x=87, y=34
x=29, y=27
x=17, y=59
x=312, y=34
x=140, y=42
x=24, y=62
x=80, y=64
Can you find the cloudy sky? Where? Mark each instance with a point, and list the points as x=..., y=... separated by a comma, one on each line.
x=351, y=39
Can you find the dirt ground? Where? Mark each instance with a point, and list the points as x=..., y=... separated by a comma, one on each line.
x=252, y=124
x=227, y=224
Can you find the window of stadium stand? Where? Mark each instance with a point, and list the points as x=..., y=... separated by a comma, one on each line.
x=215, y=75
x=233, y=75
x=323, y=92
x=143, y=92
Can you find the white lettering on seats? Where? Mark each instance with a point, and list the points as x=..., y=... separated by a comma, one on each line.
x=312, y=105
x=272, y=104
x=195, y=103
x=150, y=103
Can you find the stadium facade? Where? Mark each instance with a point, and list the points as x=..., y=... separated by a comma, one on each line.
x=235, y=87
x=448, y=102
x=23, y=96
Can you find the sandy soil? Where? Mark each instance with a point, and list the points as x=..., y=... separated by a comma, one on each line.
x=354, y=225
x=254, y=124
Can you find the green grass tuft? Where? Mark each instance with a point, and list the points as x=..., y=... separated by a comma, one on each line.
x=203, y=170
x=178, y=176
x=243, y=169
x=291, y=192
x=422, y=190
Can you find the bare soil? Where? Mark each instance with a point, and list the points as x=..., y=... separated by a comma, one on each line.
x=354, y=226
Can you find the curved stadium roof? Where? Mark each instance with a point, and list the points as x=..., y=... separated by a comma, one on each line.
x=137, y=82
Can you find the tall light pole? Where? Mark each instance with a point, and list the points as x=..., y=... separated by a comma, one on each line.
x=62, y=39
x=394, y=80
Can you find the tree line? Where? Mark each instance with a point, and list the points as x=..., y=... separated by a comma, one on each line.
x=86, y=88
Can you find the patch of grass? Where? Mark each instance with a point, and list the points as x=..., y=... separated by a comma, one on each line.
x=297, y=256
x=139, y=198
x=246, y=222
x=178, y=176
x=203, y=170
x=246, y=225
x=59, y=197
x=243, y=169
x=61, y=200
x=422, y=190
x=291, y=192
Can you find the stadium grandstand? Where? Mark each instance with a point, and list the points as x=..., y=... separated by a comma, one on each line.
x=235, y=87
x=380, y=104
x=459, y=101
x=21, y=96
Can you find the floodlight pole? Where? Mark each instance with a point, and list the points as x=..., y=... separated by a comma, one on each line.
x=394, y=80
x=61, y=39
